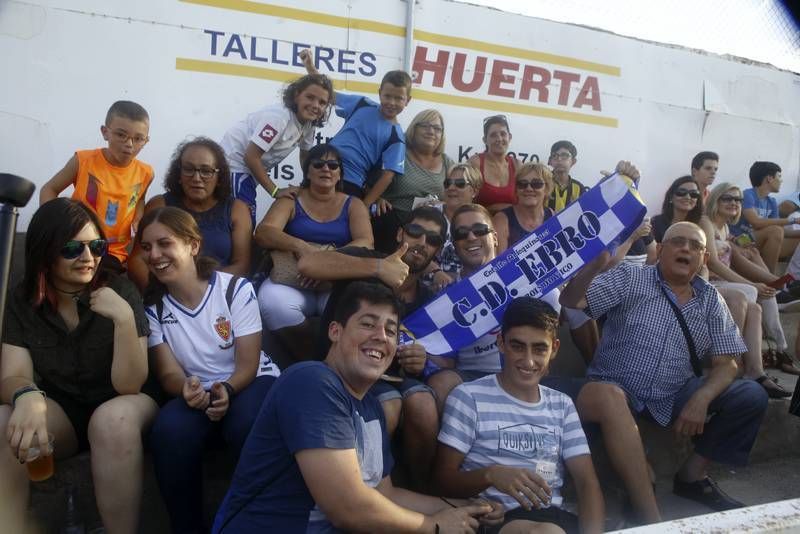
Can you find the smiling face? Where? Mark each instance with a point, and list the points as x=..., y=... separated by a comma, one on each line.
x=363, y=348
x=527, y=352
x=73, y=275
x=682, y=253
x=474, y=250
x=125, y=137
x=420, y=249
x=393, y=100
x=199, y=174
x=530, y=196
x=729, y=204
x=497, y=139
x=427, y=134
x=169, y=258
x=456, y=196
x=685, y=197
x=311, y=103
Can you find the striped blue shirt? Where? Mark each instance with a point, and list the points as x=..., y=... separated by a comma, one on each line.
x=643, y=348
x=491, y=427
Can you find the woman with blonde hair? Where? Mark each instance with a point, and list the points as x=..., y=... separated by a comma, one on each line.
x=425, y=169
x=533, y=185
x=724, y=207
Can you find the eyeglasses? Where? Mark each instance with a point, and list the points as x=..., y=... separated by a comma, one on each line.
x=429, y=126
x=122, y=136
x=533, y=184
x=479, y=229
x=206, y=173
x=560, y=155
x=680, y=242
x=730, y=198
x=332, y=164
x=460, y=183
x=432, y=238
x=73, y=249
x=692, y=193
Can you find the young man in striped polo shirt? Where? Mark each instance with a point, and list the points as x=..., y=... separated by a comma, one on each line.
x=507, y=437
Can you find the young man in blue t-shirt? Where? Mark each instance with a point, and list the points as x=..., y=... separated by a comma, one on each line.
x=507, y=437
x=317, y=459
x=774, y=236
x=371, y=136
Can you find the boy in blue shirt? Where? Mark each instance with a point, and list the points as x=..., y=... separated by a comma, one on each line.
x=371, y=135
x=760, y=215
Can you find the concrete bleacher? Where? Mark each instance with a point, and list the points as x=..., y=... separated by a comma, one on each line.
x=777, y=441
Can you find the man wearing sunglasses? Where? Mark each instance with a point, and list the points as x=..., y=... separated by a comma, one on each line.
x=418, y=242
x=663, y=325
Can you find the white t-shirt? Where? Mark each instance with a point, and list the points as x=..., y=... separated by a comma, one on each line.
x=274, y=129
x=202, y=339
x=490, y=427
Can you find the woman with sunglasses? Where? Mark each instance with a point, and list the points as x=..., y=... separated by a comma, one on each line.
x=320, y=215
x=682, y=202
x=205, y=342
x=84, y=339
x=426, y=167
x=498, y=167
x=534, y=183
x=461, y=186
x=725, y=208
x=199, y=181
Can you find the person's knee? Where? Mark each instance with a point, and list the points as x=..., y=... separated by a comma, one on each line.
x=115, y=426
x=443, y=382
x=754, y=312
x=420, y=412
x=521, y=526
x=774, y=232
x=599, y=401
x=391, y=412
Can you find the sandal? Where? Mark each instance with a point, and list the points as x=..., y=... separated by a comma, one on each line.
x=786, y=363
x=773, y=390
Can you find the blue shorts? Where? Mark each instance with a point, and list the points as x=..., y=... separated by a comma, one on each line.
x=244, y=187
x=386, y=391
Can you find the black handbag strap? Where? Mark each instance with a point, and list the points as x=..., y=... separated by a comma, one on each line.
x=698, y=369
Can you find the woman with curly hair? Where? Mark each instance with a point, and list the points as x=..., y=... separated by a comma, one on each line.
x=265, y=137
x=198, y=181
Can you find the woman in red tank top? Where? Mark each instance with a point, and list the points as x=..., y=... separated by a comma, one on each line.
x=497, y=166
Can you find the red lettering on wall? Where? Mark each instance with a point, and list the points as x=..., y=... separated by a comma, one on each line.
x=589, y=94
x=567, y=79
x=535, y=78
x=478, y=74
x=437, y=67
x=500, y=77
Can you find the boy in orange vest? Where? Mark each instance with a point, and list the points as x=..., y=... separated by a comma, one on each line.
x=111, y=181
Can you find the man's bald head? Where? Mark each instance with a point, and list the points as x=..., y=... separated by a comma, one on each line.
x=685, y=229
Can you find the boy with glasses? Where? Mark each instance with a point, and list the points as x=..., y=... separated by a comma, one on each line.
x=111, y=181
x=563, y=155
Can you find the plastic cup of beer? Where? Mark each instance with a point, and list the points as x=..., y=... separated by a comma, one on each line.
x=40, y=462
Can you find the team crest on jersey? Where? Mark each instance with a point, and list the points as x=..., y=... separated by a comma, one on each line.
x=223, y=328
x=268, y=133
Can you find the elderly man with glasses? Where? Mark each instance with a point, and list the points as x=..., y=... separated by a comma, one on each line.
x=670, y=343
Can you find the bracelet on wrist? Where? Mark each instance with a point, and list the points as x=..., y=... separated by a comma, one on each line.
x=436, y=270
x=448, y=502
x=229, y=388
x=23, y=390
x=274, y=191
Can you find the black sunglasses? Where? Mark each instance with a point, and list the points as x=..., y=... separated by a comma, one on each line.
x=692, y=193
x=73, y=249
x=332, y=164
x=533, y=184
x=460, y=183
x=730, y=198
x=432, y=238
x=479, y=229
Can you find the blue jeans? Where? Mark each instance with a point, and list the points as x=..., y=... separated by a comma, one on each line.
x=178, y=440
x=735, y=417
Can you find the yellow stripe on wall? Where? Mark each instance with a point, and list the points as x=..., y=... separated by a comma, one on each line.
x=314, y=17
x=230, y=69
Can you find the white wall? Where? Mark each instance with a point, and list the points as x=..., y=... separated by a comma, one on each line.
x=63, y=66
